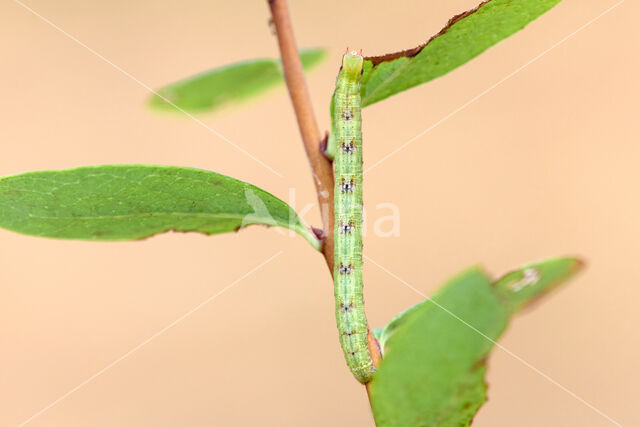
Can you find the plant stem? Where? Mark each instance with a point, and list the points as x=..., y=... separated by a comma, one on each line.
x=321, y=167
x=311, y=137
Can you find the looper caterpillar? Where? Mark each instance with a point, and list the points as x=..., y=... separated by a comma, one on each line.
x=345, y=146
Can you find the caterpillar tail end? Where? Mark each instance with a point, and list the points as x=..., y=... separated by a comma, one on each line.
x=365, y=376
x=365, y=372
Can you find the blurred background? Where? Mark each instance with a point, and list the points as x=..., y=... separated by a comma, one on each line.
x=544, y=164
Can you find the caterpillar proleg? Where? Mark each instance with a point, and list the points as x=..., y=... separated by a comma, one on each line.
x=345, y=146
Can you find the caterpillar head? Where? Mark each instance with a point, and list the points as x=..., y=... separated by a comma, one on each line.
x=352, y=62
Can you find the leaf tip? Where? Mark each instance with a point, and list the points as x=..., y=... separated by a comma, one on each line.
x=523, y=287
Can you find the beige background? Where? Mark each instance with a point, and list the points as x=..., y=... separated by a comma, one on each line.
x=545, y=164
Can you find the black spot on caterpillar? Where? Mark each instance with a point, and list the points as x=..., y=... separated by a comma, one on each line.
x=347, y=115
x=345, y=269
x=348, y=148
x=347, y=228
x=347, y=186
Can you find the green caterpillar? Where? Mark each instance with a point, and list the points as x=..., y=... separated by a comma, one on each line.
x=345, y=147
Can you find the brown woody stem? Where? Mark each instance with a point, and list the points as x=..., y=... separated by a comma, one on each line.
x=311, y=137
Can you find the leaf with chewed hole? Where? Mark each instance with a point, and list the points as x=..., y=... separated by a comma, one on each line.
x=221, y=87
x=464, y=37
x=434, y=363
x=128, y=202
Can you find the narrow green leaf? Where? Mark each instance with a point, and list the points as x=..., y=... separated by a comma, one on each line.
x=217, y=88
x=127, y=202
x=432, y=373
x=465, y=37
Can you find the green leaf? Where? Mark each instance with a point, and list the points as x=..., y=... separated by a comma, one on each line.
x=432, y=373
x=465, y=37
x=127, y=202
x=433, y=361
x=526, y=285
x=217, y=88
